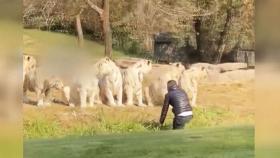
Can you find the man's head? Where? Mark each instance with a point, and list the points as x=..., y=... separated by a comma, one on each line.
x=171, y=84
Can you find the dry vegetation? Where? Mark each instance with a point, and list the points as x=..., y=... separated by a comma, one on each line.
x=210, y=28
x=219, y=105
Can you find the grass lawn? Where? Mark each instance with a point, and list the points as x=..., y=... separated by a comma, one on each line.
x=38, y=42
x=219, y=142
x=103, y=132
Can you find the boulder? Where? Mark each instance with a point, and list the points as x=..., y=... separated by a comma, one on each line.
x=231, y=66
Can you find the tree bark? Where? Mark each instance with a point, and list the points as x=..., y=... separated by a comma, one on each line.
x=107, y=29
x=221, y=42
x=95, y=7
x=197, y=28
x=79, y=30
x=104, y=16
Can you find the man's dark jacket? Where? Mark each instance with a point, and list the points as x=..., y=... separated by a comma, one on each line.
x=178, y=99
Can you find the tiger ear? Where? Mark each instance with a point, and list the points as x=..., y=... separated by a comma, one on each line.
x=28, y=58
x=177, y=64
x=149, y=62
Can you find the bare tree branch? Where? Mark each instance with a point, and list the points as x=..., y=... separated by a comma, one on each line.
x=95, y=7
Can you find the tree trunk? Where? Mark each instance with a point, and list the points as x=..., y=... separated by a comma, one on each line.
x=79, y=30
x=221, y=42
x=197, y=28
x=105, y=18
x=107, y=29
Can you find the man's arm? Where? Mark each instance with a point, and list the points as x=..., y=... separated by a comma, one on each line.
x=164, y=109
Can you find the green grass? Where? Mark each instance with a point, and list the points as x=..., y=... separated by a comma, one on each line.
x=102, y=120
x=222, y=142
x=38, y=42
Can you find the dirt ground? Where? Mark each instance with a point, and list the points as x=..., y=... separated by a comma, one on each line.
x=238, y=96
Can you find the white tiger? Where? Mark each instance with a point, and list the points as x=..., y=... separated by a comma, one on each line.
x=155, y=82
x=31, y=82
x=81, y=88
x=189, y=81
x=48, y=85
x=110, y=81
x=30, y=79
x=132, y=81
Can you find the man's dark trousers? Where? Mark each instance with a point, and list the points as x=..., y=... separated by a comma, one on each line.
x=180, y=121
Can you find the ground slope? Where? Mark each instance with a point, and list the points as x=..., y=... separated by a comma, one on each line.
x=38, y=42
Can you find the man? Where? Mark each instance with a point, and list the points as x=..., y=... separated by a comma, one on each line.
x=178, y=99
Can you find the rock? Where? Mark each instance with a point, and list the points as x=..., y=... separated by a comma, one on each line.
x=232, y=66
x=240, y=75
x=232, y=76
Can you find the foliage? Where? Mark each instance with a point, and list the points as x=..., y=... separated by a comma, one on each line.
x=232, y=26
x=138, y=21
